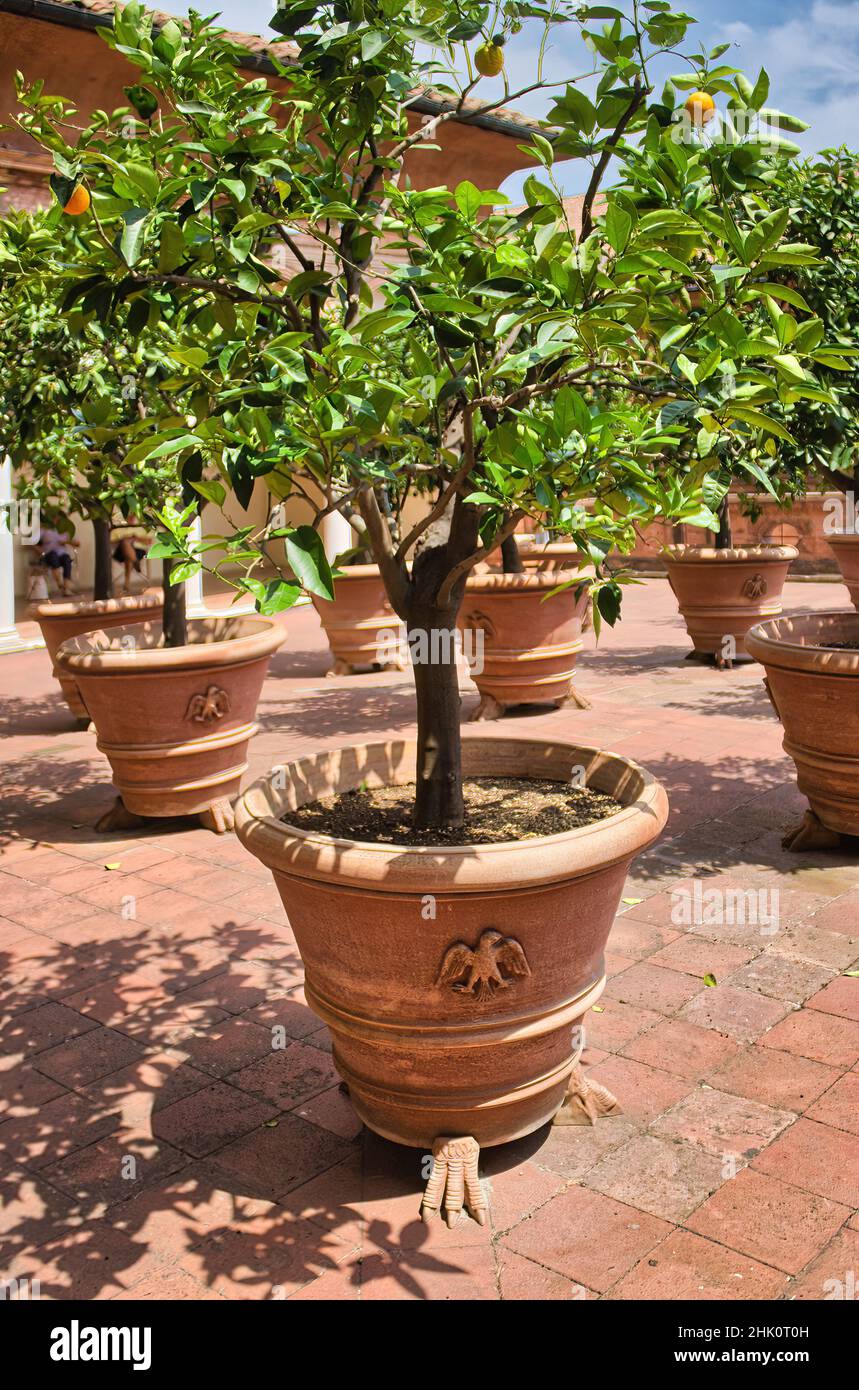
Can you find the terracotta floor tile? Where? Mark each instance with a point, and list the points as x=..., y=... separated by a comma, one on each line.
x=730, y=1126
x=838, y=1107
x=523, y=1279
x=588, y=1237
x=829, y=949
x=682, y=1048
x=23, y=1089
x=460, y=1275
x=113, y=1170
x=646, y=986
x=822, y=1037
x=38, y=1030
x=274, y=1265
x=642, y=1092
x=270, y=1162
x=92, y=1261
x=163, y=1285
x=738, y=1012
x=833, y=1275
x=699, y=957
x=611, y=1025
x=666, y=1179
x=289, y=1076
x=687, y=1267
x=840, y=997
x=96, y=1053
x=286, y=1013
x=333, y=1111
x=840, y=915
x=59, y=1127
x=572, y=1151
x=516, y=1191
x=816, y=1157
x=775, y=1078
x=780, y=977
x=769, y=1220
x=227, y=1046
x=210, y=1118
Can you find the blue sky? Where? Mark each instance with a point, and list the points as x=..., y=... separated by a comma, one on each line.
x=810, y=48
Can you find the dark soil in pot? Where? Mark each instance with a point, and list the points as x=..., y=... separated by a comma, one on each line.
x=498, y=809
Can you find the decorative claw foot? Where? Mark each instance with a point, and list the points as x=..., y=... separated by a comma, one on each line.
x=724, y=663
x=84, y=724
x=119, y=818
x=219, y=817
x=340, y=668
x=576, y=699
x=586, y=1101
x=454, y=1182
x=489, y=708
x=811, y=834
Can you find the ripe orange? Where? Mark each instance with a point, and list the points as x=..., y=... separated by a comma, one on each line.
x=78, y=203
x=489, y=59
x=701, y=107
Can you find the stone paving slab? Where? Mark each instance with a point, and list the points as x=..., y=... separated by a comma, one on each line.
x=171, y=1124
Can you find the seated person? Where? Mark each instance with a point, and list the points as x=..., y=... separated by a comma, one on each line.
x=129, y=549
x=53, y=546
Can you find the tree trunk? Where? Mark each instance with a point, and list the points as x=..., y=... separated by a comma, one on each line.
x=174, y=623
x=511, y=560
x=724, y=538
x=432, y=639
x=103, y=578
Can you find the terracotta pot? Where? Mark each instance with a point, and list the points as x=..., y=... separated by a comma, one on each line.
x=361, y=626
x=423, y=1058
x=723, y=593
x=815, y=692
x=529, y=641
x=846, y=548
x=61, y=621
x=175, y=723
x=560, y=555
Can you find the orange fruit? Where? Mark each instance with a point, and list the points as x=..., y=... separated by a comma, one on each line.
x=701, y=107
x=489, y=59
x=78, y=203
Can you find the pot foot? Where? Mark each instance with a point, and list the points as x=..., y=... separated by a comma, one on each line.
x=219, y=817
x=119, y=818
x=454, y=1182
x=724, y=663
x=489, y=708
x=575, y=699
x=340, y=668
x=84, y=724
x=811, y=834
x=586, y=1101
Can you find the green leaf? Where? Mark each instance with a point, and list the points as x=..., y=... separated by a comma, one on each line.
x=308, y=562
x=133, y=235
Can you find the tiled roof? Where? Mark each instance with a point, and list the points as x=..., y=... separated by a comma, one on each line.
x=286, y=52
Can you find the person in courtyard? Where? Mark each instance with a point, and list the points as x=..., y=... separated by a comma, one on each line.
x=55, y=547
x=129, y=550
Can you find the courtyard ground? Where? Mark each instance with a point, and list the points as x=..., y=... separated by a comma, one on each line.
x=152, y=1145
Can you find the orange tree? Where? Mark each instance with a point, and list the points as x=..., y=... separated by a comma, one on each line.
x=354, y=340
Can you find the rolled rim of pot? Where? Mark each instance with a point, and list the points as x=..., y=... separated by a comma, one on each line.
x=697, y=554
x=85, y=608
x=496, y=582
x=798, y=642
x=213, y=642
x=843, y=538
x=420, y=869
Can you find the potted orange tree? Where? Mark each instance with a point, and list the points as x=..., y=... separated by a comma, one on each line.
x=78, y=394
x=64, y=405
x=451, y=896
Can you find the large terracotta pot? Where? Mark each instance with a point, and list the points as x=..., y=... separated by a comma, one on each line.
x=61, y=621
x=361, y=626
x=846, y=548
x=175, y=723
x=815, y=691
x=425, y=1055
x=723, y=593
x=561, y=555
x=529, y=644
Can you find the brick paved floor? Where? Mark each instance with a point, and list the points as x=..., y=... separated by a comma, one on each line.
x=152, y=1145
